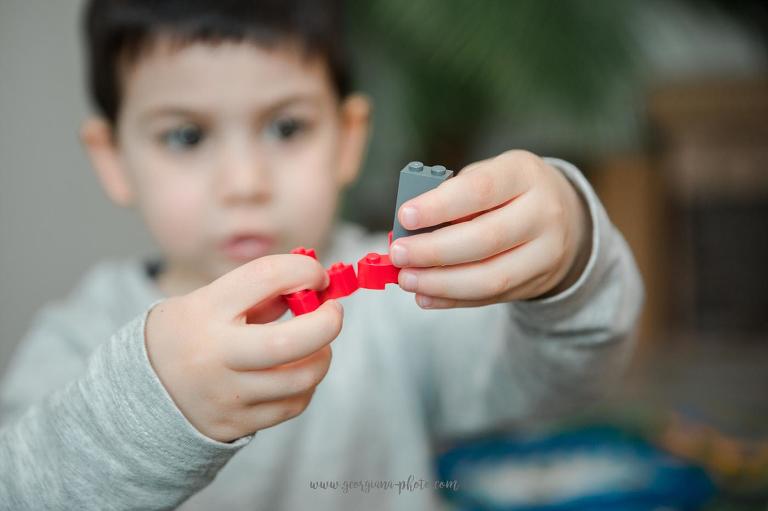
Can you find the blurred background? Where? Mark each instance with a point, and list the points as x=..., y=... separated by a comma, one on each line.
x=662, y=103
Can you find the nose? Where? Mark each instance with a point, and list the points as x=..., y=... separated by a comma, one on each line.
x=243, y=175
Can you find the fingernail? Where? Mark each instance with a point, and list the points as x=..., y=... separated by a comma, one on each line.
x=409, y=217
x=408, y=280
x=399, y=254
x=425, y=301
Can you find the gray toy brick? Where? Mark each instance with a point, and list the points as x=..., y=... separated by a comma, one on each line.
x=415, y=179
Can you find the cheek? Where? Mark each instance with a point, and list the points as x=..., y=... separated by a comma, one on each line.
x=309, y=192
x=173, y=206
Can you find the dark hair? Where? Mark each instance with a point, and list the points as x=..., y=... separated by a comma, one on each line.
x=117, y=31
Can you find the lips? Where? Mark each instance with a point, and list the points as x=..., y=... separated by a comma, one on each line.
x=245, y=247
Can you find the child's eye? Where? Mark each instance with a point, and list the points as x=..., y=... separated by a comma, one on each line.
x=183, y=137
x=286, y=128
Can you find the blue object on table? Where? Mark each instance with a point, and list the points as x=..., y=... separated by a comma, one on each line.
x=663, y=480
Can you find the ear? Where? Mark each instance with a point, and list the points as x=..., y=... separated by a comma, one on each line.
x=97, y=135
x=355, y=123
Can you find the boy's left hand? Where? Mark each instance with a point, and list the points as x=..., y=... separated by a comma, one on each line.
x=518, y=230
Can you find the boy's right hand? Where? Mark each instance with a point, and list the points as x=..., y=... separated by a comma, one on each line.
x=228, y=366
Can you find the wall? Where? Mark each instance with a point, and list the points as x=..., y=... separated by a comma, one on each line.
x=54, y=220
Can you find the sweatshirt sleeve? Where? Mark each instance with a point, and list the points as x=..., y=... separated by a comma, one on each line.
x=523, y=359
x=111, y=438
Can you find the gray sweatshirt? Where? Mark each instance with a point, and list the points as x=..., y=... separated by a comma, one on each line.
x=87, y=424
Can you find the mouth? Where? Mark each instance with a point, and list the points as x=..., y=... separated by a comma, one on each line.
x=245, y=247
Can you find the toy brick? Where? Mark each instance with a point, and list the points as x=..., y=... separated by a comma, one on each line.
x=415, y=179
x=342, y=282
x=374, y=271
x=305, y=251
x=302, y=301
x=305, y=300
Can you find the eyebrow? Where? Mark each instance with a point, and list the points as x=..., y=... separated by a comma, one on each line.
x=271, y=107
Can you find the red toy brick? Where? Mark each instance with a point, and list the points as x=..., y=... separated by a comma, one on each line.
x=305, y=251
x=302, y=301
x=305, y=300
x=374, y=271
x=343, y=282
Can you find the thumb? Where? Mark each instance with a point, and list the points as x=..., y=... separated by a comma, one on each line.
x=245, y=287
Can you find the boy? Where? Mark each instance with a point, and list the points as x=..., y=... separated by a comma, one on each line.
x=231, y=128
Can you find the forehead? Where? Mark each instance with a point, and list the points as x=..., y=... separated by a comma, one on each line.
x=226, y=75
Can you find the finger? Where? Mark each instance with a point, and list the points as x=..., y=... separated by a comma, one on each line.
x=250, y=284
x=272, y=413
x=486, y=235
x=482, y=279
x=434, y=302
x=525, y=291
x=253, y=347
x=286, y=380
x=485, y=186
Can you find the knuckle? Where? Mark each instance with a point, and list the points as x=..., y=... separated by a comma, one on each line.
x=481, y=185
x=554, y=212
x=518, y=158
x=562, y=243
x=296, y=385
x=558, y=245
x=262, y=267
x=431, y=284
x=264, y=271
x=497, y=286
x=431, y=204
x=493, y=239
x=501, y=284
x=431, y=254
x=307, y=264
x=527, y=164
x=543, y=275
x=279, y=347
x=526, y=157
x=558, y=210
x=294, y=407
x=549, y=281
x=325, y=362
x=560, y=253
x=472, y=167
x=305, y=400
x=305, y=380
x=269, y=263
x=287, y=411
x=314, y=378
x=512, y=155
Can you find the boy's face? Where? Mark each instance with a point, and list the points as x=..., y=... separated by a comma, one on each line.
x=230, y=152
